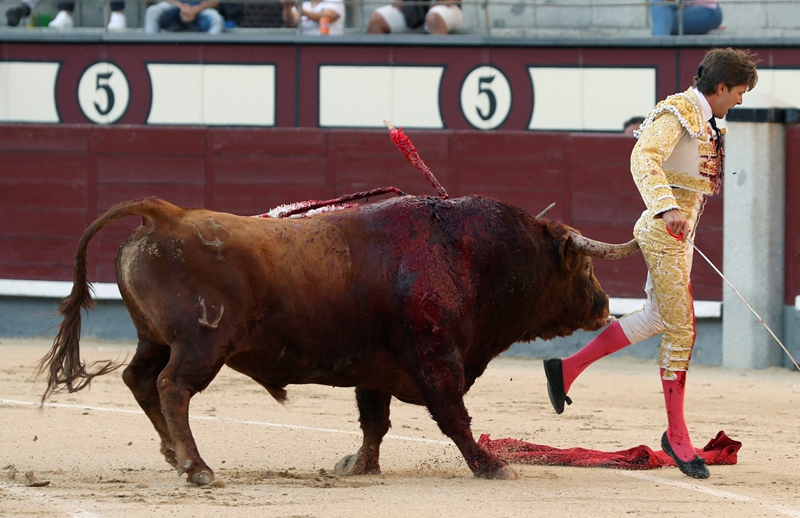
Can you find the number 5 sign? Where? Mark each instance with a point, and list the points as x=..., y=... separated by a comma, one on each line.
x=485, y=98
x=103, y=93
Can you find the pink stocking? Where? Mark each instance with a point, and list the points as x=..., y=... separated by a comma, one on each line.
x=677, y=433
x=611, y=340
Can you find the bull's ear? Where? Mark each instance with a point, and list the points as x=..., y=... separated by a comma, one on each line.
x=570, y=257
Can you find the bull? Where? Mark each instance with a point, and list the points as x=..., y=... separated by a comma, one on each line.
x=409, y=297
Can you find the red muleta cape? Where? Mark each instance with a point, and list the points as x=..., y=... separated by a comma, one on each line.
x=721, y=450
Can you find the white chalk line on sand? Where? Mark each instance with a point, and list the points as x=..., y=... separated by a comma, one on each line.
x=787, y=511
x=633, y=474
x=228, y=420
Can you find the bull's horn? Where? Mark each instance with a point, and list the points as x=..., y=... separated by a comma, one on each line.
x=602, y=250
x=545, y=211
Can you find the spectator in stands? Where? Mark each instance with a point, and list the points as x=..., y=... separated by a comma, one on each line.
x=437, y=17
x=63, y=19
x=23, y=10
x=233, y=14
x=699, y=16
x=632, y=124
x=310, y=14
x=192, y=15
x=116, y=21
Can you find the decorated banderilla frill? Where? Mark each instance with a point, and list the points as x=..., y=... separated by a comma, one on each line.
x=408, y=149
x=302, y=209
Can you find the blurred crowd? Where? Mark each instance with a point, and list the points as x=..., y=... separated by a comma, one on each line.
x=327, y=17
x=323, y=17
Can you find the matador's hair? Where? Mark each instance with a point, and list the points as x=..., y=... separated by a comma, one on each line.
x=731, y=67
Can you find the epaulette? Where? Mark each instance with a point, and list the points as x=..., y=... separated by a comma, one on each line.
x=684, y=108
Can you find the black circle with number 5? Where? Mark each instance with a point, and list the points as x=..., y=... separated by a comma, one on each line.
x=485, y=97
x=103, y=93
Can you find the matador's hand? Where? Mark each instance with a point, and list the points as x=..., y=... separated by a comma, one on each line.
x=675, y=222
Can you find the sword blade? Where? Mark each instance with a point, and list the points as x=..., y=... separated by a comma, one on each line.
x=745, y=301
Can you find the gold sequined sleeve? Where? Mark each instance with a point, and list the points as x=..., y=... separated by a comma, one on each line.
x=654, y=146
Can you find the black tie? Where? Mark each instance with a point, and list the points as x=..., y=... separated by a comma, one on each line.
x=720, y=153
x=713, y=122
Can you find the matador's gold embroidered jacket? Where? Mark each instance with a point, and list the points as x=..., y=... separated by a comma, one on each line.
x=676, y=148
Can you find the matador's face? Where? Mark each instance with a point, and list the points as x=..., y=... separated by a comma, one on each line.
x=727, y=98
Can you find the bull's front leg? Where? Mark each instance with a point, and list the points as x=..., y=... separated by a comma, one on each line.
x=373, y=408
x=440, y=378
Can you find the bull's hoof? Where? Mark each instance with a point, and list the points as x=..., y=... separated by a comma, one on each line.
x=169, y=456
x=355, y=464
x=505, y=473
x=203, y=477
x=347, y=465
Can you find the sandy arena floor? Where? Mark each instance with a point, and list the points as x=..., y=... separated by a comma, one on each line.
x=95, y=454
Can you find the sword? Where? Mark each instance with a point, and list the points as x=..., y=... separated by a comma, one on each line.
x=679, y=236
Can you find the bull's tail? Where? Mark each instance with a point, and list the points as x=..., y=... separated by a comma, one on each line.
x=63, y=362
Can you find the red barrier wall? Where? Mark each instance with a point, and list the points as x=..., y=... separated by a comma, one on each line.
x=55, y=180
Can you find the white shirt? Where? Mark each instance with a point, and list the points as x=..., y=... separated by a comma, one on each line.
x=705, y=106
x=308, y=26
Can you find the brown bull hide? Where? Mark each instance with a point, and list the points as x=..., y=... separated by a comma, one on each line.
x=409, y=297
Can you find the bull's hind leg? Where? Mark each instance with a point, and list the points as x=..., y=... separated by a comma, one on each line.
x=140, y=377
x=440, y=378
x=373, y=408
x=190, y=369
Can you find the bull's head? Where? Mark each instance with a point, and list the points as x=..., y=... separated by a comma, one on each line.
x=577, y=291
x=585, y=249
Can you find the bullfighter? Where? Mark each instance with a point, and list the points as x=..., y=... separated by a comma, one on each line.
x=676, y=163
